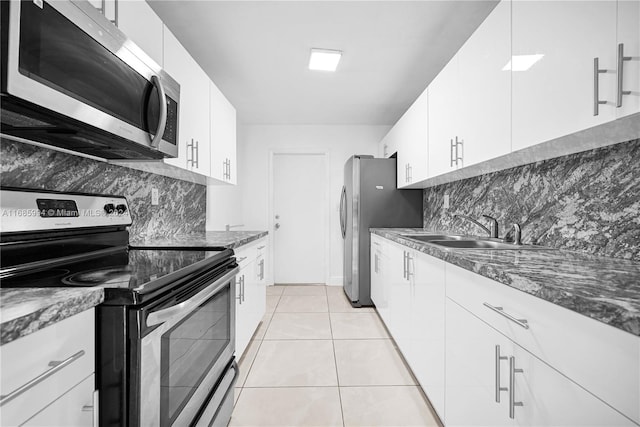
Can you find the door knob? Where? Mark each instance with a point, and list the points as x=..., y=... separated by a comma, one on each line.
x=277, y=225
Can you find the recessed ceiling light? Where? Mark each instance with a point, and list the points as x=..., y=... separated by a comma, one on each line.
x=324, y=59
x=522, y=62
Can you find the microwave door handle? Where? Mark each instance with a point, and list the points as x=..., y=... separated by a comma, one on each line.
x=155, y=142
x=161, y=316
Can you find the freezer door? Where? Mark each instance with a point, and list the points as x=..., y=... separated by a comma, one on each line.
x=351, y=207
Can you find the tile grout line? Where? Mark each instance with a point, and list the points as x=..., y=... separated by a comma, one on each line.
x=335, y=359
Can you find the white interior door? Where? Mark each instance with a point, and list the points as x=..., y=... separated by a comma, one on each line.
x=300, y=211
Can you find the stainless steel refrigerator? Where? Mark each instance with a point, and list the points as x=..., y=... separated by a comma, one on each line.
x=370, y=199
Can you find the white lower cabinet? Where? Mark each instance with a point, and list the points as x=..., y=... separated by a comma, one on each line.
x=251, y=291
x=73, y=409
x=408, y=290
x=48, y=376
x=484, y=366
x=476, y=365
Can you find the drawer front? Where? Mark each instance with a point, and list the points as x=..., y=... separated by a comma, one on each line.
x=244, y=255
x=34, y=356
x=600, y=358
x=74, y=409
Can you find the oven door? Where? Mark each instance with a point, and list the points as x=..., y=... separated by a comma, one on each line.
x=65, y=57
x=187, y=353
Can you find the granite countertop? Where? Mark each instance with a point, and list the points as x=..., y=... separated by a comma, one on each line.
x=209, y=239
x=603, y=288
x=27, y=310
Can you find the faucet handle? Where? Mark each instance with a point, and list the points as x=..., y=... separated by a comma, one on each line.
x=493, y=226
x=516, y=230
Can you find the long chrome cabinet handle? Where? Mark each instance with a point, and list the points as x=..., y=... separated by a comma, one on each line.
x=512, y=387
x=410, y=262
x=520, y=322
x=451, y=148
x=404, y=264
x=197, y=154
x=596, y=86
x=56, y=366
x=243, y=281
x=187, y=306
x=459, y=157
x=498, y=388
x=621, y=59
x=162, y=123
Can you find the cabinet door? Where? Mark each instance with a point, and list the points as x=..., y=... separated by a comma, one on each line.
x=389, y=144
x=551, y=399
x=141, y=24
x=426, y=354
x=471, y=375
x=443, y=111
x=193, y=148
x=74, y=408
x=554, y=45
x=629, y=35
x=412, y=148
x=485, y=88
x=223, y=137
x=245, y=326
x=399, y=296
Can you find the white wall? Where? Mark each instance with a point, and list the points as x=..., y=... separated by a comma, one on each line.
x=257, y=142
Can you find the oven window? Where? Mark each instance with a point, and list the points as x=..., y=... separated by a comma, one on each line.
x=190, y=349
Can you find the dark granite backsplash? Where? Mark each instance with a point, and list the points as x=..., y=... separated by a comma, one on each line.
x=588, y=201
x=182, y=208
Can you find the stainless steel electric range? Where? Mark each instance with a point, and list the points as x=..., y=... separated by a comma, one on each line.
x=165, y=332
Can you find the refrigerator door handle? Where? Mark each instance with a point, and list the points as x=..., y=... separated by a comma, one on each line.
x=343, y=212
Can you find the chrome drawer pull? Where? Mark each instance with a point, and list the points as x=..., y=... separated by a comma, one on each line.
x=500, y=310
x=498, y=388
x=512, y=387
x=239, y=260
x=56, y=366
x=260, y=247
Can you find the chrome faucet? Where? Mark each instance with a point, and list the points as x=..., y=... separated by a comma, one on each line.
x=228, y=227
x=492, y=230
x=517, y=234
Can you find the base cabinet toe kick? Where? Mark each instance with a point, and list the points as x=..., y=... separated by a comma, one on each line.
x=488, y=354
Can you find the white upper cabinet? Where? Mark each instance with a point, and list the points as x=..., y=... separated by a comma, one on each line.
x=485, y=89
x=553, y=74
x=141, y=24
x=629, y=36
x=444, y=93
x=412, y=143
x=223, y=136
x=193, y=126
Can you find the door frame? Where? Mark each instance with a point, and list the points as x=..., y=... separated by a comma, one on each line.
x=326, y=212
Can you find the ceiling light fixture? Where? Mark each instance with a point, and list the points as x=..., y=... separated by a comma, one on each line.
x=522, y=62
x=324, y=59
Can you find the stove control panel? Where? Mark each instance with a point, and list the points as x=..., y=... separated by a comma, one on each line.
x=22, y=211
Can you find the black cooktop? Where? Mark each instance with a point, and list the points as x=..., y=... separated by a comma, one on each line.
x=129, y=276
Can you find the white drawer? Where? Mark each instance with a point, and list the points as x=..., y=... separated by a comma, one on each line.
x=73, y=409
x=602, y=359
x=249, y=252
x=23, y=360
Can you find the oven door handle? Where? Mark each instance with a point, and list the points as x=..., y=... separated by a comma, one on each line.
x=161, y=316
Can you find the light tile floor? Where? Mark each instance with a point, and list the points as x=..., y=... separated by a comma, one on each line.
x=316, y=361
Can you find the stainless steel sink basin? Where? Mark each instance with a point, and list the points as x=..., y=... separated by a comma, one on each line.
x=484, y=244
x=431, y=237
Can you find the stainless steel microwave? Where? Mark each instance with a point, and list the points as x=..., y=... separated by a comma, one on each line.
x=71, y=79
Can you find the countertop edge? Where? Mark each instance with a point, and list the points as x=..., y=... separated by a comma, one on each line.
x=629, y=321
x=48, y=314
x=247, y=240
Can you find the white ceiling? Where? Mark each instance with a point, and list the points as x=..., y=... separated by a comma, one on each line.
x=257, y=53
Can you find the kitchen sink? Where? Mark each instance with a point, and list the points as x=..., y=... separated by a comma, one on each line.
x=431, y=237
x=484, y=244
